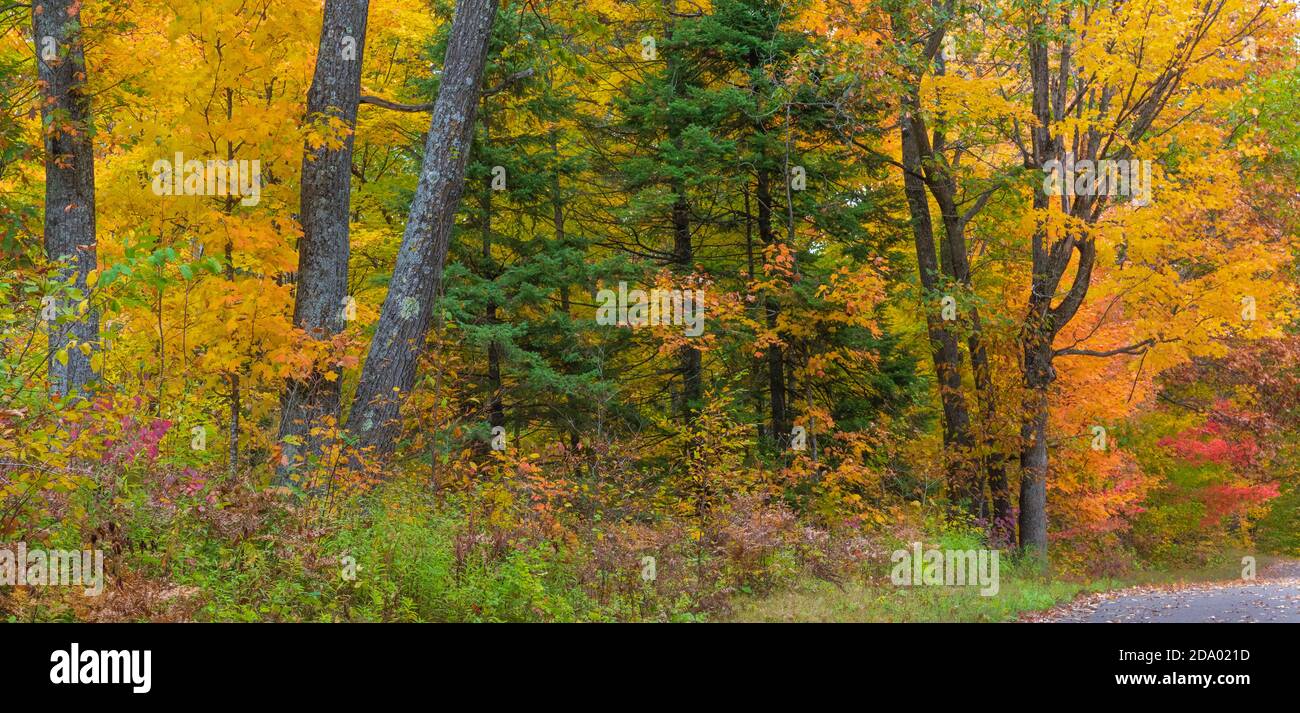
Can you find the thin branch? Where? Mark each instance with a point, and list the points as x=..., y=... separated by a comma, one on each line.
x=395, y=106
x=384, y=103
x=1133, y=349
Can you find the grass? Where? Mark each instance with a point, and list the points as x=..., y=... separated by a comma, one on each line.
x=820, y=601
x=1020, y=591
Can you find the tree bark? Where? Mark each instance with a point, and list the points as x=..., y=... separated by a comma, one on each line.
x=683, y=255
x=776, y=384
x=1038, y=329
x=925, y=173
x=944, y=346
x=993, y=462
x=69, y=182
x=323, y=252
x=688, y=356
x=496, y=406
x=756, y=375
x=934, y=172
x=1033, y=457
x=389, y=371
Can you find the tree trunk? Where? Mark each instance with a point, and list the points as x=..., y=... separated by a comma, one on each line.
x=389, y=371
x=1041, y=320
x=322, y=275
x=776, y=384
x=760, y=310
x=926, y=168
x=994, y=463
x=689, y=356
x=944, y=347
x=496, y=408
x=69, y=181
x=689, y=362
x=1033, y=459
x=566, y=307
x=1052, y=101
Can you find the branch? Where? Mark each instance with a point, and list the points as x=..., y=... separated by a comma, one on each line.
x=505, y=83
x=395, y=106
x=1134, y=349
x=367, y=99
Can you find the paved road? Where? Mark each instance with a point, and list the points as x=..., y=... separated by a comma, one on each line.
x=1273, y=597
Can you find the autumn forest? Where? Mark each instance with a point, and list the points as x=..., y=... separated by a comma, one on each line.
x=645, y=310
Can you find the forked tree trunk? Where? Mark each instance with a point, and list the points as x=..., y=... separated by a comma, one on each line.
x=927, y=169
x=944, y=348
x=389, y=371
x=69, y=183
x=1041, y=321
x=324, y=206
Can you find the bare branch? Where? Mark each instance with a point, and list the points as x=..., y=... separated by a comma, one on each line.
x=395, y=106
x=1133, y=349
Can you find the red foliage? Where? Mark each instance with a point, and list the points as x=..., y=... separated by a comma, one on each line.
x=1222, y=501
x=138, y=436
x=1210, y=444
